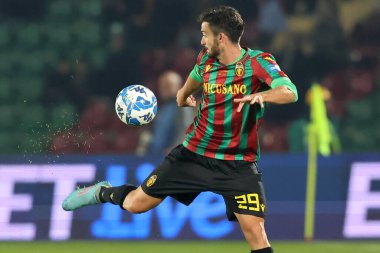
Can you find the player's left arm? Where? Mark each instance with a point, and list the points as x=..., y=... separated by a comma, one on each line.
x=282, y=90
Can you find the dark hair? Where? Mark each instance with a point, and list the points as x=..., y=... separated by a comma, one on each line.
x=224, y=19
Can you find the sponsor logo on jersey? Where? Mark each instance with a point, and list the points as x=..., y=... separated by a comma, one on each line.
x=151, y=180
x=221, y=88
x=239, y=69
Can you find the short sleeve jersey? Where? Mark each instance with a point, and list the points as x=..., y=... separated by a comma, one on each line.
x=219, y=131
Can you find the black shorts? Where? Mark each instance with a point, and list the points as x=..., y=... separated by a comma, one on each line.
x=184, y=174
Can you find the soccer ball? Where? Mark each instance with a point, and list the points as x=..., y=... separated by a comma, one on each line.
x=136, y=105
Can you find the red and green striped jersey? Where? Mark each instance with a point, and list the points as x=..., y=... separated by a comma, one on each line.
x=219, y=131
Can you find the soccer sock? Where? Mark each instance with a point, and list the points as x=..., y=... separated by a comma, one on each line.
x=265, y=250
x=115, y=195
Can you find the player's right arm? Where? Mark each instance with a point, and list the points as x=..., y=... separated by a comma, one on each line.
x=184, y=95
x=193, y=84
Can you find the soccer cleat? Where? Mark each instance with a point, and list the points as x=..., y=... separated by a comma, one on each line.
x=84, y=196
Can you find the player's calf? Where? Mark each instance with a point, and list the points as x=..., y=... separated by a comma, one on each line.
x=139, y=202
x=129, y=198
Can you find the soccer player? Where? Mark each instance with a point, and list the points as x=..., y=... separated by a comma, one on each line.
x=220, y=150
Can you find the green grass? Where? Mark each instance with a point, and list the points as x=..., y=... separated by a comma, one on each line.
x=186, y=247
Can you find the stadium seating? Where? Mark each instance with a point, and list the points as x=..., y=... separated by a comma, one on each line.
x=31, y=49
x=5, y=90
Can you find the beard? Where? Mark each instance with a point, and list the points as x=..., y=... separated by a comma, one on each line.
x=214, y=51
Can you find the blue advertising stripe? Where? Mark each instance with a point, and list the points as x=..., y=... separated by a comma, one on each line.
x=205, y=218
x=102, y=228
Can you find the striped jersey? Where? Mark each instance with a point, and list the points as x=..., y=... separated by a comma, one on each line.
x=219, y=131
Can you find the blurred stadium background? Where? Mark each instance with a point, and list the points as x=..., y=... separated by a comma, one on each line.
x=62, y=63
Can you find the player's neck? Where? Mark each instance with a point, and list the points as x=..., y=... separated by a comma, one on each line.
x=230, y=54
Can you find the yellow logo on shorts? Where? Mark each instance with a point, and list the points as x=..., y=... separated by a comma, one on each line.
x=151, y=180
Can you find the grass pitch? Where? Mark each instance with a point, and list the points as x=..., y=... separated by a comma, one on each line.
x=186, y=247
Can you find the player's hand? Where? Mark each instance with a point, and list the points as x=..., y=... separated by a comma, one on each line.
x=251, y=99
x=188, y=102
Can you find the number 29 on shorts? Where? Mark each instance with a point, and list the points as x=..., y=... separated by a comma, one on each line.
x=250, y=201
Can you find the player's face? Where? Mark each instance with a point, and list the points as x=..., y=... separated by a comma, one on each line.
x=210, y=40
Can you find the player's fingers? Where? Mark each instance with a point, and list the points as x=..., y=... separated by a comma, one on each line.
x=254, y=100
x=191, y=101
x=187, y=102
x=240, y=107
x=261, y=101
x=242, y=100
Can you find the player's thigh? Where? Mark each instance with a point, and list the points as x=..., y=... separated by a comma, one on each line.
x=138, y=201
x=181, y=175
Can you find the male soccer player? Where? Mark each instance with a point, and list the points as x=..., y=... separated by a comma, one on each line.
x=220, y=148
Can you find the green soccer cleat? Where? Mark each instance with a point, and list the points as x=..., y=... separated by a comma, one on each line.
x=84, y=196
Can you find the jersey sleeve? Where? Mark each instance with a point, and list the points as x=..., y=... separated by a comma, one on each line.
x=268, y=71
x=196, y=73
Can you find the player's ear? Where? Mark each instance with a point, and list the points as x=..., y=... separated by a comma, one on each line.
x=222, y=37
